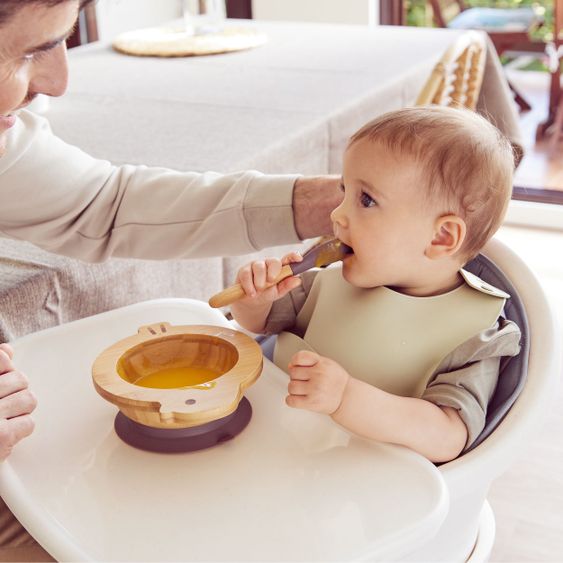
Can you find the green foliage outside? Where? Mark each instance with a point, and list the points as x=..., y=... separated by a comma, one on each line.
x=419, y=13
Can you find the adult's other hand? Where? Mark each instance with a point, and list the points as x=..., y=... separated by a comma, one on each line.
x=17, y=403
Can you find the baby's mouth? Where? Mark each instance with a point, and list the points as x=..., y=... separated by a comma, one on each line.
x=343, y=249
x=346, y=250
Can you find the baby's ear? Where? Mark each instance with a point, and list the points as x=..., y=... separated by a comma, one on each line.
x=449, y=234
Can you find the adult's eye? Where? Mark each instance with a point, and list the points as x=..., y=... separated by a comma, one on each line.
x=34, y=57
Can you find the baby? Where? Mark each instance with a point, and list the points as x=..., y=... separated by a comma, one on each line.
x=399, y=343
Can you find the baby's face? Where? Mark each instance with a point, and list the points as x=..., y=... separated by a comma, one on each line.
x=382, y=218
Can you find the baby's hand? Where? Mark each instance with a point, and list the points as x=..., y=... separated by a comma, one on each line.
x=258, y=280
x=317, y=383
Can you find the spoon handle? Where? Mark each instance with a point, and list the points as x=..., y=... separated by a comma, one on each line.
x=235, y=292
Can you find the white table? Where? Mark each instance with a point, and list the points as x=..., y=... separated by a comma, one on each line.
x=293, y=486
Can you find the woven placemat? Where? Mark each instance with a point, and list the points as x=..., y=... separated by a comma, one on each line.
x=175, y=42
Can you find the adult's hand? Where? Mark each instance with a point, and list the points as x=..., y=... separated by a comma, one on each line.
x=17, y=402
x=314, y=198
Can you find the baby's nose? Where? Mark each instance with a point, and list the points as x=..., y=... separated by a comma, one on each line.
x=338, y=217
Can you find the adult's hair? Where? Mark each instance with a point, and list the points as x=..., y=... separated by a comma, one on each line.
x=466, y=163
x=8, y=8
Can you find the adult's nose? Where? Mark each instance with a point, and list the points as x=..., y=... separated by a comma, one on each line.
x=51, y=73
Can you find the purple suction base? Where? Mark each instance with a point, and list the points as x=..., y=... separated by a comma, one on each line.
x=177, y=440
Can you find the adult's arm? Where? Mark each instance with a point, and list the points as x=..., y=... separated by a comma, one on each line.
x=54, y=195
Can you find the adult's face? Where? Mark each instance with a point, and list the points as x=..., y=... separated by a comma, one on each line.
x=33, y=57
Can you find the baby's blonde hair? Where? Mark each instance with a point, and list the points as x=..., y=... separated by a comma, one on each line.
x=468, y=163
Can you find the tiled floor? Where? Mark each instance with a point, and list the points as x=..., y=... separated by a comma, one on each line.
x=528, y=499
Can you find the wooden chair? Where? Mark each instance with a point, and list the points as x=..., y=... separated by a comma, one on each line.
x=557, y=133
x=554, y=52
x=456, y=79
x=509, y=29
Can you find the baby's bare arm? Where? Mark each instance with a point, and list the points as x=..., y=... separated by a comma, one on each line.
x=438, y=433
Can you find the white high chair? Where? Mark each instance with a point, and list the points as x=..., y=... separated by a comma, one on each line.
x=100, y=499
x=526, y=385
x=469, y=529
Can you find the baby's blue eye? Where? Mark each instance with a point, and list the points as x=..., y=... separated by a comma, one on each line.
x=366, y=200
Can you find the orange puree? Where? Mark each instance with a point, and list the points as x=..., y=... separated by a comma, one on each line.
x=171, y=378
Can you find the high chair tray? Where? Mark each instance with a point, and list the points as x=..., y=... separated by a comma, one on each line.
x=293, y=486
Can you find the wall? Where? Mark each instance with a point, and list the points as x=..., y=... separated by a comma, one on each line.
x=327, y=11
x=115, y=16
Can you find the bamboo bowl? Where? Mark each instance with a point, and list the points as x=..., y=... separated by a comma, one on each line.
x=178, y=376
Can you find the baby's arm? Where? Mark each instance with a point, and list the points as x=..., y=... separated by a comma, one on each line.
x=451, y=414
x=438, y=433
x=322, y=385
x=256, y=278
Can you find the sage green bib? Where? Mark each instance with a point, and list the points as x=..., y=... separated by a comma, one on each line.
x=388, y=339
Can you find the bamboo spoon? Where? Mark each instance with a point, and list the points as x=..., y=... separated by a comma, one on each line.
x=319, y=255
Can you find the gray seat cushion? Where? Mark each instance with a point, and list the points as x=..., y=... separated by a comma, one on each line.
x=513, y=370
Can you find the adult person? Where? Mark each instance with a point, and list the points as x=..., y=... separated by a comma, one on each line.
x=59, y=198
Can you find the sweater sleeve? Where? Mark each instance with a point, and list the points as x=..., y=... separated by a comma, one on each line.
x=284, y=311
x=63, y=200
x=466, y=379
